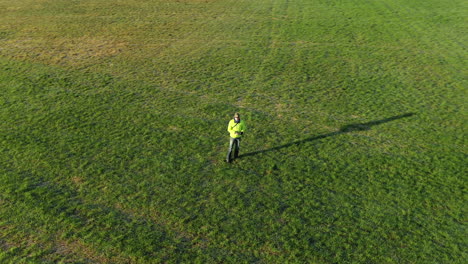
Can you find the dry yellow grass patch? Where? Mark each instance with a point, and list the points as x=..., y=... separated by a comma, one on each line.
x=282, y=108
x=78, y=248
x=174, y=128
x=59, y=51
x=77, y=180
x=25, y=5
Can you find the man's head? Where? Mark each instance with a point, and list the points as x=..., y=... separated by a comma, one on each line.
x=236, y=117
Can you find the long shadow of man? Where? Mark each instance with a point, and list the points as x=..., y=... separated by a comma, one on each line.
x=345, y=129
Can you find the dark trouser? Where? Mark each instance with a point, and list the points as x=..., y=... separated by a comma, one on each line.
x=234, y=144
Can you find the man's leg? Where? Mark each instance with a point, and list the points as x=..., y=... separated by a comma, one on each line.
x=236, y=151
x=231, y=142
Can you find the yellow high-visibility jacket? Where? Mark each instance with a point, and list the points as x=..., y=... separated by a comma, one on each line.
x=235, y=129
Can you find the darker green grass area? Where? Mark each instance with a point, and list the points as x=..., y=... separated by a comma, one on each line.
x=353, y=154
x=96, y=165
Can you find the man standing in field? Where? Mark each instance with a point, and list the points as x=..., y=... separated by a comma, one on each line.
x=236, y=129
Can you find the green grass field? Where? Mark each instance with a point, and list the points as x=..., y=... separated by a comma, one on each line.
x=113, y=131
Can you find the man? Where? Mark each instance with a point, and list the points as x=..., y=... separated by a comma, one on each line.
x=236, y=129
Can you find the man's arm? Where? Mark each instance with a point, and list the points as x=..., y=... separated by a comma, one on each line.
x=229, y=127
x=242, y=128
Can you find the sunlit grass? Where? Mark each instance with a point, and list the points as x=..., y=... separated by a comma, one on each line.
x=113, y=131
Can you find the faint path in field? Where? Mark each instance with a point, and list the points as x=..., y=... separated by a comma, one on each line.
x=345, y=129
x=440, y=43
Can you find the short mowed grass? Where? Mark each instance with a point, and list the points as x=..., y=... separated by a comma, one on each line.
x=113, y=133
